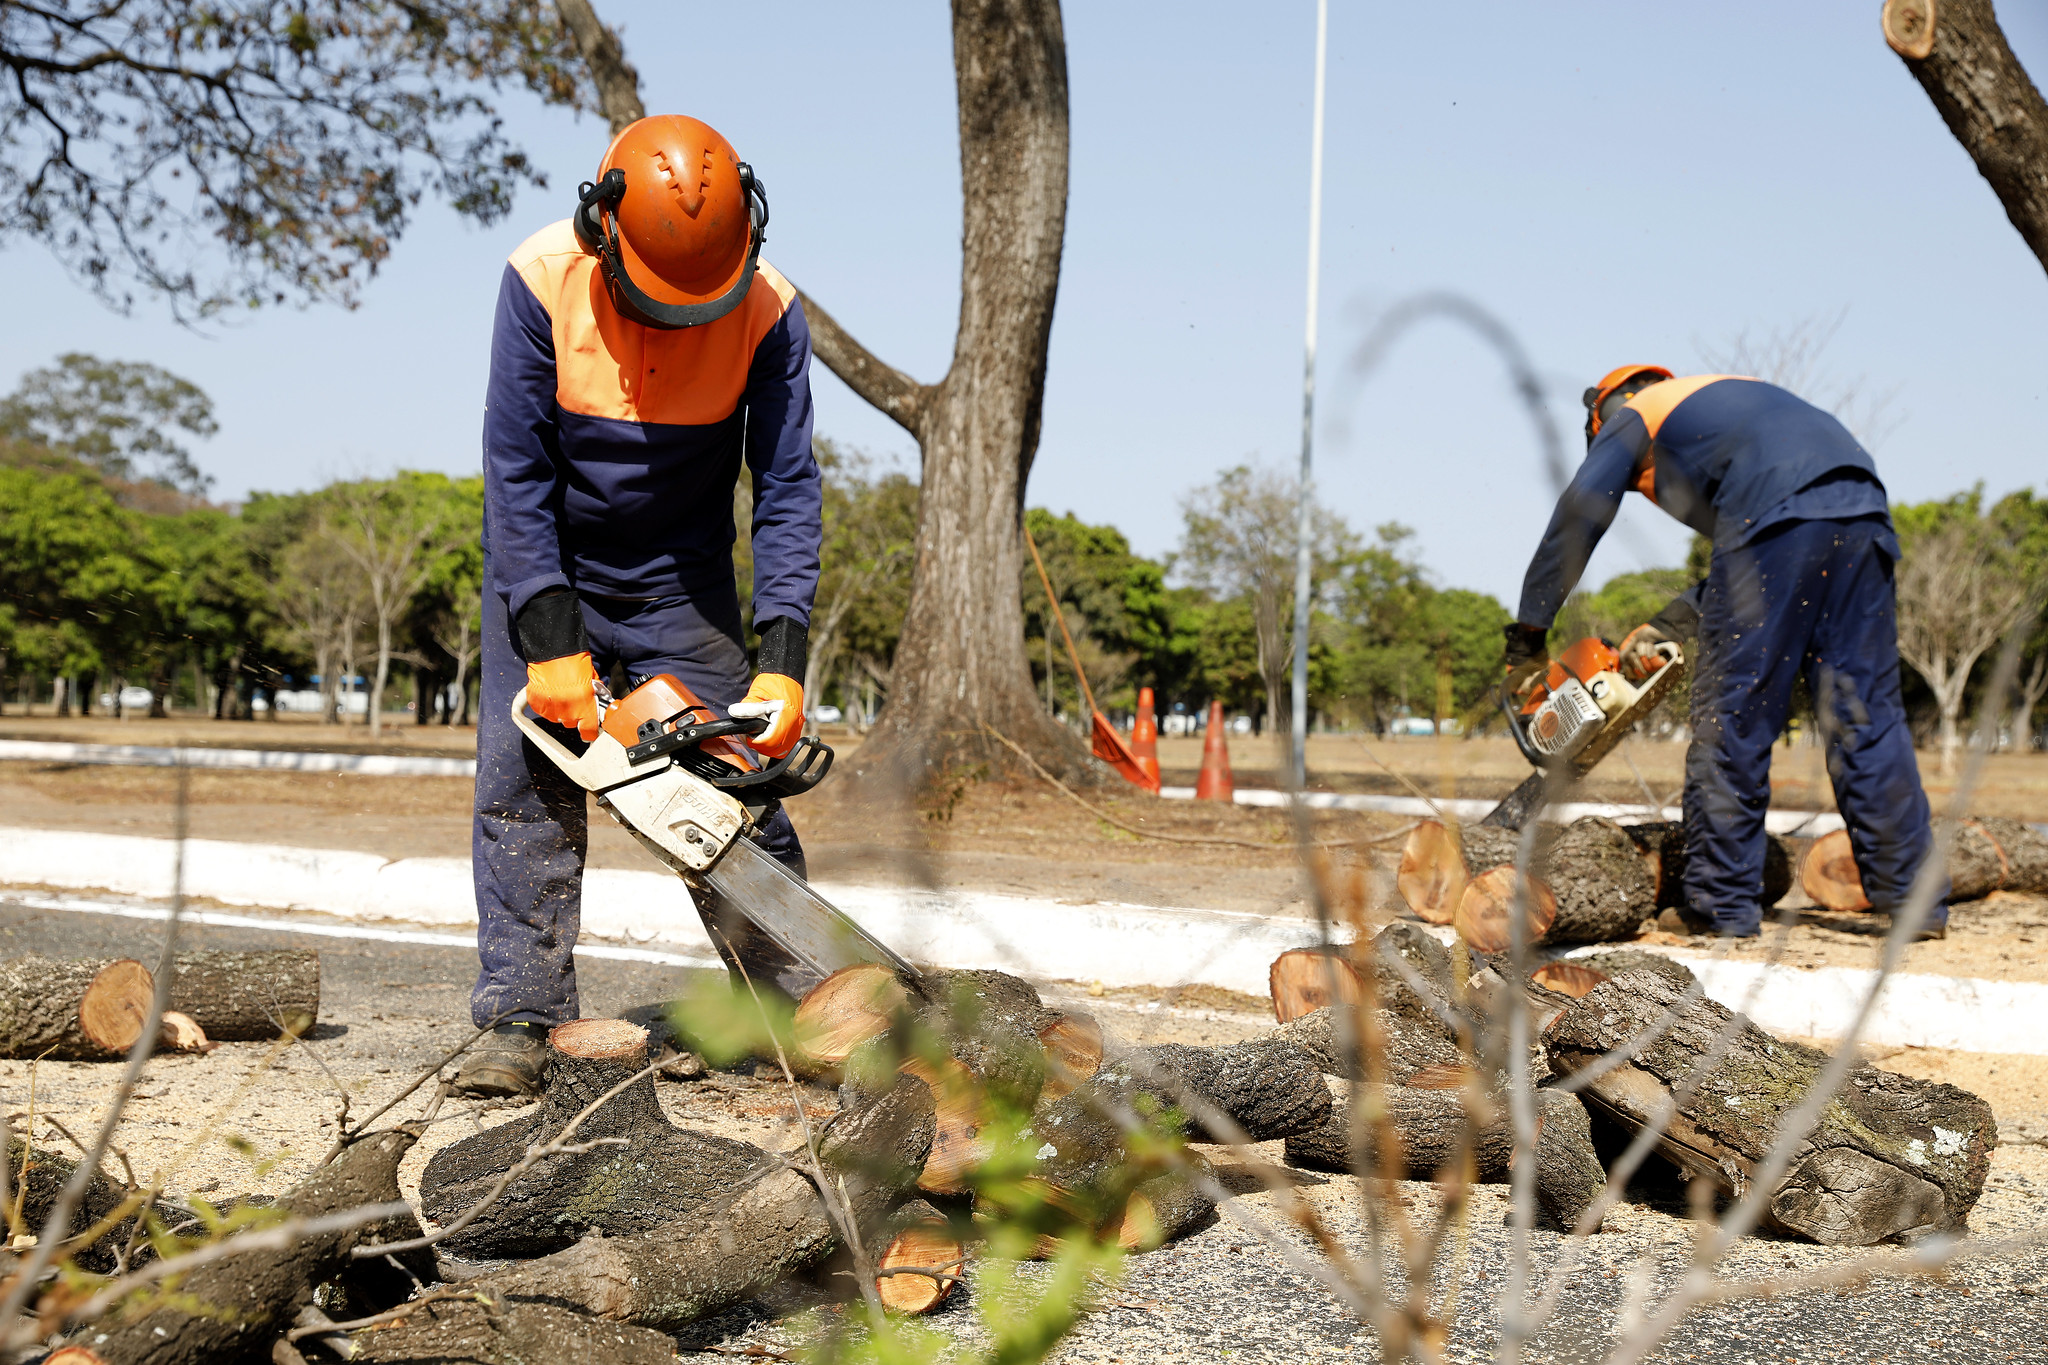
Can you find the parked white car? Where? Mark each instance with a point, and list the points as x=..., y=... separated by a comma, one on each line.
x=132, y=699
x=828, y=715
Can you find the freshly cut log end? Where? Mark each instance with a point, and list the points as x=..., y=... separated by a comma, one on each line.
x=918, y=1236
x=1305, y=979
x=1484, y=911
x=1830, y=876
x=72, y=1355
x=1073, y=1053
x=1567, y=978
x=600, y=1040
x=845, y=1010
x=181, y=1033
x=960, y=1111
x=1432, y=874
x=115, y=1006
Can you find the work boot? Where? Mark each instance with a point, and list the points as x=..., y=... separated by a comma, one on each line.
x=1679, y=919
x=509, y=1060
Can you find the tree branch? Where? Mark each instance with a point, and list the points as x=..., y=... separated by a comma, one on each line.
x=888, y=388
x=618, y=84
x=1989, y=103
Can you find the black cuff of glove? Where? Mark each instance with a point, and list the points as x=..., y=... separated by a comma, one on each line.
x=1679, y=621
x=550, y=626
x=1525, y=642
x=785, y=648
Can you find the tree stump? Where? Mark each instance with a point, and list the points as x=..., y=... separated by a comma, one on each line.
x=917, y=1236
x=661, y=1174
x=1890, y=1157
x=767, y=1231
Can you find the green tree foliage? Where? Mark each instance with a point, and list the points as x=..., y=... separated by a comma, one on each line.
x=1116, y=605
x=297, y=135
x=115, y=416
x=870, y=518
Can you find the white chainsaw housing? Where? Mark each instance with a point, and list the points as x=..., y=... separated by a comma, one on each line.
x=1567, y=720
x=682, y=817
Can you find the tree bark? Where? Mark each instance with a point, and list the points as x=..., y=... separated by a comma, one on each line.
x=1984, y=855
x=1266, y=1086
x=233, y=996
x=618, y=84
x=37, y=1183
x=1300, y=978
x=1891, y=1156
x=1408, y=1045
x=960, y=663
x=232, y=1309
x=461, y=1331
x=1987, y=100
x=774, y=1228
x=248, y=996
x=662, y=1175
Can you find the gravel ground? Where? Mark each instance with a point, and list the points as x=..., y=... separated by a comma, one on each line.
x=252, y=1118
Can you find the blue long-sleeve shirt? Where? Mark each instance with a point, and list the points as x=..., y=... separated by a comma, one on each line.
x=611, y=449
x=1728, y=456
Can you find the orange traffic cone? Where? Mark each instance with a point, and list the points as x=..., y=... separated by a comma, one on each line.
x=1214, y=784
x=1145, y=737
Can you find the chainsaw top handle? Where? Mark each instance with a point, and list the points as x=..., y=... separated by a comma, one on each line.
x=795, y=773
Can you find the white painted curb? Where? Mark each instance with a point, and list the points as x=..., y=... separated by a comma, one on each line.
x=1117, y=944
x=1805, y=822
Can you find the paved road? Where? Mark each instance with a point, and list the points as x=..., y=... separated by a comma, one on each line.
x=1223, y=1295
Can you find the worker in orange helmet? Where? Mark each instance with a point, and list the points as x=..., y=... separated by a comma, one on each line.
x=643, y=353
x=1800, y=586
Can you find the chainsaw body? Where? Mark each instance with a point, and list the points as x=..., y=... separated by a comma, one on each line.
x=674, y=775
x=1575, y=716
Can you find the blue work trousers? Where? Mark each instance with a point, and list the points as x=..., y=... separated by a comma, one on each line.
x=1811, y=599
x=533, y=823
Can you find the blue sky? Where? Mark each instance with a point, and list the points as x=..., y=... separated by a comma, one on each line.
x=1617, y=182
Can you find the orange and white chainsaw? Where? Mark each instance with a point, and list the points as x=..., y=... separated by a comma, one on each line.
x=671, y=771
x=1575, y=715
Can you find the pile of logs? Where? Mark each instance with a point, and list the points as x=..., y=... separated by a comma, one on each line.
x=93, y=1009
x=1891, y=1157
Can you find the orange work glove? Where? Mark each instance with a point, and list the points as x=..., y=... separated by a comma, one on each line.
x=781, y=700
x=564, y=691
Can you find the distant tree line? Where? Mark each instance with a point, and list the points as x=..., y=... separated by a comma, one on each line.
x=121, y=573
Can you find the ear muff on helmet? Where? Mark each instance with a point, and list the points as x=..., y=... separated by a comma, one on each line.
x=596, y=225
x=1615, y=388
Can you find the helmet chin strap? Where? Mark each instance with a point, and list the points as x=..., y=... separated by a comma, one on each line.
x=597, y=228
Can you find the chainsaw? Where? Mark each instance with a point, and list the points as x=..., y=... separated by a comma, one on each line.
x=675, y=776
x=1575, y=715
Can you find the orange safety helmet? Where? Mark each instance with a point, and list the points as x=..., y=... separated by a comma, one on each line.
x=1611, y=383
x=676, y=221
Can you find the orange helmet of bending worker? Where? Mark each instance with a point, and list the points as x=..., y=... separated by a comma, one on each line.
x=1615, y=388
x=675, y=219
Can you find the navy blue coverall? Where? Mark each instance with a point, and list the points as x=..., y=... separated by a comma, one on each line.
x=1800, y=584
x=610, y=455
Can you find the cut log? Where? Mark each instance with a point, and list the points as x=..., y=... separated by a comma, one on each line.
x=661, y=1174
x=1073, y=1053
x=844, y=1010
x=917, y=1236
x=1266, y=1086
x=1984, y=855
x=1485, y=912
x=1408, y=1045
x=1432, y=874
x=461, y=1331
x=1891, y=1156
x=1166, y=1208
x=991, y=1022
x=91, y=1009
x=1431, y=1124
x=233, y=1308
x=1604, y=890
x=1662, y=843
x=1567, y=978
x=1430, y=960
x=961, y=1110
x=1305, y=979
x=1829, y=874
x=770, y=1230
x=1612, y=962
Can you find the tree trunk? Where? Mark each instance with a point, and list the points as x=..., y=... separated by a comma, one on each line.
x=232, y=1309
x=1984, y=855
x=459, y=1330
x=1408, y=1045
x=661, y=1175
x=960, y=664
x=1984, y=95
x=772, y=1229
x=1891, y=1156
x=1267, y=1086
x=78, y=1009
x=375, y=708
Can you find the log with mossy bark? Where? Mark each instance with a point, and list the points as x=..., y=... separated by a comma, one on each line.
x=233, y=1309
x=1435, y=1127
x=772, y=1229
x=656, y=1173
x=1333, y=1039
x=1890, y=1156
